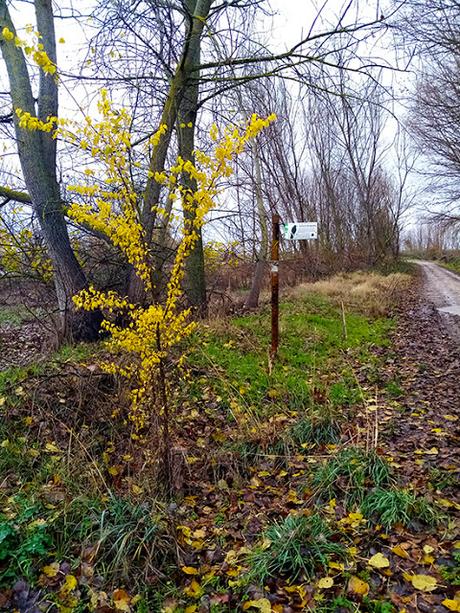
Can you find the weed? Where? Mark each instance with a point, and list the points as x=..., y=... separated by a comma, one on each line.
x=340, y=603
x=378, y=606
x=25, y=538
x=442, y=479
x=296, y=546
x=369, y=293
x=398, y=506
x=393, y=389
x=350, y=474
x=451, y=574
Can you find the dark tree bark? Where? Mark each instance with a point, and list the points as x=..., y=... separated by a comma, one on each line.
x=37, y=154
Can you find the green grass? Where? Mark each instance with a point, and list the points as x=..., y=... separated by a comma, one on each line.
x=14, y=315
x=295, y=547
x=453, y=265
x=452, y=573
x=129, y=539
x=14, y=376
x=349, y=475
x=311, y=344
x=398, y=506
x=322, y=428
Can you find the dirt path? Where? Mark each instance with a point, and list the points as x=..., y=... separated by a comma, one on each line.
x=442, y=288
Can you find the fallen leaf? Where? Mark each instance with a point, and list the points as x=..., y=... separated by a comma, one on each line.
x=263, y=604
x=337, y=566
x=51, y=570
x=399, y=551
x=379, y=561
x=121, y=601
x=428, y=549
x=424, y=583
x=52, y=448
x=452, y=605
x=357, y=586
x=194, y=590
x=70, y=583
x=325, y=583
x=189, y=570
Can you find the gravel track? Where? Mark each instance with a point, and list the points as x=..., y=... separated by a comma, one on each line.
x=442, y=288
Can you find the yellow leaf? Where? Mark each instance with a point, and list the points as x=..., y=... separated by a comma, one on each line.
x=69, y=584
x=51, y=570
x=337, y=566
x=199, y=534
x=191, y=608
x=189, y=570
x=399, y=551
x=263, y=604
x=452, y=605
x=52, y=448
x=356, y=586
x=136, y=489
x=121, y=600
x=379, y=561
x=428, y=549
x=194, y=590
x=114, y=471
x=325, y=583
x=424, y=583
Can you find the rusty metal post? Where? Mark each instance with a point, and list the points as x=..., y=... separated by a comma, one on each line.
x=275, y=256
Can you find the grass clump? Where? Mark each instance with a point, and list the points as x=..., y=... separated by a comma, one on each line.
x=350, y=474
x=398, y=506
x=320, y=429
x=295, y=547
x=130, y=539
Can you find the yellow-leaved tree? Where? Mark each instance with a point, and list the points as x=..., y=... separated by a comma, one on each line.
x=143, y=340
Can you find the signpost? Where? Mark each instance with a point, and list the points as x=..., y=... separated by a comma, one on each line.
x=291, y=231
x=299, y=231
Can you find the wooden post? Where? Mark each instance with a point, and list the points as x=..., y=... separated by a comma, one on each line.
x=275, y=256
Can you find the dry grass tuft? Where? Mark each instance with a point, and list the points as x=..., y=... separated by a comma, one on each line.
x=368, y=292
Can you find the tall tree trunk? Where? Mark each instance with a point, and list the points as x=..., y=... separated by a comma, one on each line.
x=37, y=154
x=195, y=272
x=181, y=107
x=252, y=299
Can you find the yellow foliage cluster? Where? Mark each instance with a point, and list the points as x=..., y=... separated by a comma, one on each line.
x=217, y=253
x=20, y=252
x=34, y=49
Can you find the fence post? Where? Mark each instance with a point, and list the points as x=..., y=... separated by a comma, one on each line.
x=274, y=275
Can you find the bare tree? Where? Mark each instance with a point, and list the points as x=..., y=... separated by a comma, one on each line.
x=430, y=32
x=37, y=154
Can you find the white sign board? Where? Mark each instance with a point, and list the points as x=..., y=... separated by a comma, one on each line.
x=298, y=231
